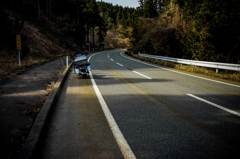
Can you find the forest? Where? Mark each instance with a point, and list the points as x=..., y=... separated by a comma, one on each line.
x=69, y=19
x=206, y=30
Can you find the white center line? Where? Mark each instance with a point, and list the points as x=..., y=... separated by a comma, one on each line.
x=178, y=72
x=111, y=59
x=142, y=75
x=215, y=105
x=119, y=64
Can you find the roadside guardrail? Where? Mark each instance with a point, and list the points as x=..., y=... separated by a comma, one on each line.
x=216, y=65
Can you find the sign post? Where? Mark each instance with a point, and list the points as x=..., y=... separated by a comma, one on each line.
x=18, y=42
x=88, y=46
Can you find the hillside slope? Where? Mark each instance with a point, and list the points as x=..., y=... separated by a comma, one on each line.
x=36, y=48
x=114, y=39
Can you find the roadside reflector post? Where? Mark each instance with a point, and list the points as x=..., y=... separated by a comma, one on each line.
x=19, y=58
x=66, y=61
x=18, y=42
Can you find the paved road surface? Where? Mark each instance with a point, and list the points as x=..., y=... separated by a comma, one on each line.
x=160, y=113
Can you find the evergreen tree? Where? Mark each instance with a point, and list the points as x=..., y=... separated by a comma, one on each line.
x=141, y=3
x=150, y=9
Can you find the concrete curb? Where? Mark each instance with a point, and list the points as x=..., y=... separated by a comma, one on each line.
x=37, y=131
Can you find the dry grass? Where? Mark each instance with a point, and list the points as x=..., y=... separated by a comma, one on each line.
x=7, y=64
x=115, y=38
x=49, y=87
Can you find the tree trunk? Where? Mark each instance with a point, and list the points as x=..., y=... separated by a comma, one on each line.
x=24, y=7
x=93, y=38
x=49, y=9
x=39, y=11
x=87, y=34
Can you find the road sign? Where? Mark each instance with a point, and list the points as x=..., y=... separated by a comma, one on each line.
x=18, y=42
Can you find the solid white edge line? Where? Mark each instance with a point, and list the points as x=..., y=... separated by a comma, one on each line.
x=180, y=72
x=215, y=105
x=142, y=75
x=121, y=141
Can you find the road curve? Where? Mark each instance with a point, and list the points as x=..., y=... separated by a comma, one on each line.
x=160, y=113
x=165, y=114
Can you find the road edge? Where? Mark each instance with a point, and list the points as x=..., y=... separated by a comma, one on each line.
x=36, y=133
x=120, y=139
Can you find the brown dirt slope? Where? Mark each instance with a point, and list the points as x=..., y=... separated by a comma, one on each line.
x=40, y=48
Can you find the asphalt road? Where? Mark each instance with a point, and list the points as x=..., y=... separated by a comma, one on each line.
x=157, y=113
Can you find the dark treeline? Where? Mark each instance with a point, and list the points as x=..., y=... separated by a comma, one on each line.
x=215, y=31
x=193, y=29
x=72, y=18
x=115, y=15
